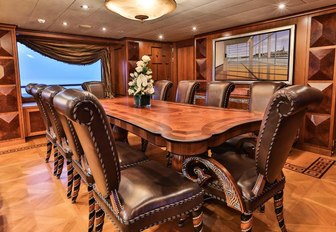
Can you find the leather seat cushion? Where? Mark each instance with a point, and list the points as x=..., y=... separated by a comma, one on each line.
x=129, y=156
x=150, y=186
x=242, y=169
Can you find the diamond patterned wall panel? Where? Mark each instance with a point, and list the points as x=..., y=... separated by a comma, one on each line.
x=9, y=126
x=7, y=72
x=201, y=48
x=323, y=31
x=8, y=99
x=325, y=106
x=201, y=69
x=317, y=130
x=6, y=48
x=321, y=64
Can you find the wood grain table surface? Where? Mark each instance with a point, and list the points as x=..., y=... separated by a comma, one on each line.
x=184, y=129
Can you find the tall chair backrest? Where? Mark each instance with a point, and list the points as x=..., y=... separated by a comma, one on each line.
x=36, y=90
x=72, y=138
x=161, y=89
x=95, y=135
x=48, y=95
x=261, y=93
x=283, y=116
x=186, y=91
x=218, y=93
x=97, y=88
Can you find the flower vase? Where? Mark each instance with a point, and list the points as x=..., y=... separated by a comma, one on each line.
x=141, y=101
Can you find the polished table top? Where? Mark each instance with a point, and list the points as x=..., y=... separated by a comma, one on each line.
x=184, y=129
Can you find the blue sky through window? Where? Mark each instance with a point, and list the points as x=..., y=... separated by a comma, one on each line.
x=36, y=68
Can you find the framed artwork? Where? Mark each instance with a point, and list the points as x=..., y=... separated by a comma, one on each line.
x=258, y=56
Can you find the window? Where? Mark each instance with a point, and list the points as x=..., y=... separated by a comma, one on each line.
x=36, y=68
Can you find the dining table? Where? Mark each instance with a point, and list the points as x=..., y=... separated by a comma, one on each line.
x=184, y=129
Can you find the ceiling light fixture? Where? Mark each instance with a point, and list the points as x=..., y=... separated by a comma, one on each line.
x=104, y=28
x=137, y=10
x=41, y=20
x=85, y=7
x=281, y=6
x=194, y=28
x=65, y=24
x=160, y=36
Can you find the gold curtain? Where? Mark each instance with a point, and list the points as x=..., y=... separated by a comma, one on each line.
x=73, y=53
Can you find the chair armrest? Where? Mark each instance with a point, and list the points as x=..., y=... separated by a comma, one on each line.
x=202, y=170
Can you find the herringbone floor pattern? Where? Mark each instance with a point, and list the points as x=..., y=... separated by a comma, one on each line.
x=32, y=199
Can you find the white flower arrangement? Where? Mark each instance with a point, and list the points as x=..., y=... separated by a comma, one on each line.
x=141, y=80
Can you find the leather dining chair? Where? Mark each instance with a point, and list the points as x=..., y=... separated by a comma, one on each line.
x=36, y=90
x=186, y=91
x=134, y=198
x=218, y=93
x=97, y=88
x=70, y=148
x=246, y=183
x=260, y=94
x=161, y=89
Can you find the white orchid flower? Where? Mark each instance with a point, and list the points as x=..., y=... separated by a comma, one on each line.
x=130, y=91
x=140, y=63
x=149, y=72
x=132, y=75
x=138, y=69
x=145, y=58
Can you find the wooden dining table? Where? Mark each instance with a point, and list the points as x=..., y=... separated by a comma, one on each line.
x=184, y=129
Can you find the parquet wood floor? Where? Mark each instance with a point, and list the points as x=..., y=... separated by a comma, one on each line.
x=32, y=199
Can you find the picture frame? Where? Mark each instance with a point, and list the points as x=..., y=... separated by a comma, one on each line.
x=266, y=55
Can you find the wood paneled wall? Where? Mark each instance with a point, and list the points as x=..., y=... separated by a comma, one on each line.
x=314, y=65
x=162, y=61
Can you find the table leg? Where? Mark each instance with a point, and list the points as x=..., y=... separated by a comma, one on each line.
x=120, y=134
x=177, y=162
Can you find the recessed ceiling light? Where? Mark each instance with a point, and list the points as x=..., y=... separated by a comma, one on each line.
x=85, y=7
x=104, y=29
x=65, y=24
x=41, y=20
x=281, y=6
x=160, y=36
x=194, y=28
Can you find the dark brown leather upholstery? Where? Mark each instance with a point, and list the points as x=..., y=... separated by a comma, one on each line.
x=261, y=93
x=236, y=179
x=136, y=197
x=186, y=91
x=218, y=93
x=97, y=88
x=162, y=88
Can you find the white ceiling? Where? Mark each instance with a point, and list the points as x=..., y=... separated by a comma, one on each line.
x=205, y=15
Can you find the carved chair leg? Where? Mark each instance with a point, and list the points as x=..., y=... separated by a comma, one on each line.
x=278, y=205
x=70, y=177
x=55, y=160
x=246, y=222
x=99, y=218
x=60, y=165
x=262, y=208
x=76, y=183
x=91, y=209
x=49, y=148
x=144, y=144
x=198, y=219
